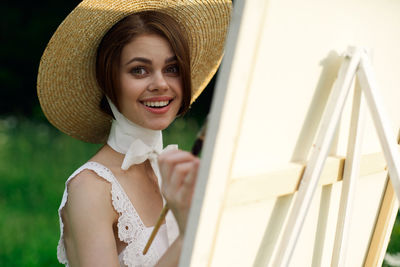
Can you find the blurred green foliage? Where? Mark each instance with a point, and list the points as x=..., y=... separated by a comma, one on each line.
x=35, y=158
x=394, y=245
x=35, y=161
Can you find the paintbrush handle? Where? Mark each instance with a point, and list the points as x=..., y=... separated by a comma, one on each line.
x=156, y=228
x=198, y=144
x=196, y=148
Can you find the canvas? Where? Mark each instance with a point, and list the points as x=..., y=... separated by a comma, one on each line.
x=281, y=61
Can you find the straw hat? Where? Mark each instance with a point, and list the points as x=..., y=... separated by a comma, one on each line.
x=67, y=86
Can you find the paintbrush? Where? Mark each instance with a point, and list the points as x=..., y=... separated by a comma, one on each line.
x=196, y=149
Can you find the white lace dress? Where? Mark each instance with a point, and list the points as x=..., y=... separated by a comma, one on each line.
x=131, y=229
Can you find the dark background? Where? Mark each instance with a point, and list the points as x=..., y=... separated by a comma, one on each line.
x=28, y=201
x=26, y=28
x=36, y=158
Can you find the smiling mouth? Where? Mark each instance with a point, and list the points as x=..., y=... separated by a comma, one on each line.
x=156, y=104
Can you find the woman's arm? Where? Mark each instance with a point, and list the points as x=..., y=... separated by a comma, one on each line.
x=179, y=173
x=171, y=256
x=88, y=218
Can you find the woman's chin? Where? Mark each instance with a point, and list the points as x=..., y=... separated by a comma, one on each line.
x=160, y=125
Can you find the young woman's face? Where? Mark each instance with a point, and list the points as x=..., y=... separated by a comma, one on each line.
x=150, y=82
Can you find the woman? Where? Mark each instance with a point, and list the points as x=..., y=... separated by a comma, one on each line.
x=150, y=59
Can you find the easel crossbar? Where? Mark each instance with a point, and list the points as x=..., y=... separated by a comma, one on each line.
x=355, y=62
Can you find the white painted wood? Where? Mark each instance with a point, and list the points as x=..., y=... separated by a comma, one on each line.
x=301, y=44
x=246, y=190
x=367, y=203
x=280, y=63
x=313, y=170
x=380, y=118
x=351, y=172
x=220, y=142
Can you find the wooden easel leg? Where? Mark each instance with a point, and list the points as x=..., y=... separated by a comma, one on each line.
x=384, y=223
x=382, y=125
x=359, y=63
x=312, y=173
x=350, y=175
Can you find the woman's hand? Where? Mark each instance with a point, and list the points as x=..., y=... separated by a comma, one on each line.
x=179, y=173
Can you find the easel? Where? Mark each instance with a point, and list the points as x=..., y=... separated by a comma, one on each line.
x=356, y=61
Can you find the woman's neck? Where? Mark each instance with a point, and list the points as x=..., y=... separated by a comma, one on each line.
x=124, y=132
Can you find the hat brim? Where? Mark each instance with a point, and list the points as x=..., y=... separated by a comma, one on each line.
x=67, y=88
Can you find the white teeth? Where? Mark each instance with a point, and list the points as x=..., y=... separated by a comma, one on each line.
x=156, y=103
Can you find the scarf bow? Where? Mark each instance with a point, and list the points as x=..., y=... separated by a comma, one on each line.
x=138, y=152
x=139, y=144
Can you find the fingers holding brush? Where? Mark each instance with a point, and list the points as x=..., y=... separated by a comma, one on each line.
x=167, y=161
x=179, y=173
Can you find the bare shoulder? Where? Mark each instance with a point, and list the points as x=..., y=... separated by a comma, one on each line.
x=88, y=218
x=87, y=183
x=89, y=193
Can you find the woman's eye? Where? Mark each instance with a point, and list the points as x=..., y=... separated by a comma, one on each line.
x=173, y=69
x=138, y=71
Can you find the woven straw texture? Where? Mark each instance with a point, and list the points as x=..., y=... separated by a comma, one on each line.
x=67, y=87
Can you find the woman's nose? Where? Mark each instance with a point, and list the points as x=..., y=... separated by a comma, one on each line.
x=158, y=82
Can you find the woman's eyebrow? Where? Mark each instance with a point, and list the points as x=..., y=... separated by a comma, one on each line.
x=170, y=59
x=140, y=59
x=148, y=61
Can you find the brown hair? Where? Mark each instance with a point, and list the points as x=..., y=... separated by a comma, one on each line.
x=110, y=48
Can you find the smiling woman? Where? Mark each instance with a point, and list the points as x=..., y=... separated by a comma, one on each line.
x=150, y=82
x=115, y=54
x=151, y=61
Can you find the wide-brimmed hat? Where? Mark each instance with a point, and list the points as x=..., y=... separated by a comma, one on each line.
x=67, y=87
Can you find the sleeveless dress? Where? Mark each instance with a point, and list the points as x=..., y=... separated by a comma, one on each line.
x=131, y=229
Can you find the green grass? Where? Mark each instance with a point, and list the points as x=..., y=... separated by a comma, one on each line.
x=35, y=160
x=394, y=244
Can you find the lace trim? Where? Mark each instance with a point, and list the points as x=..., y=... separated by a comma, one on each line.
x=131, y=229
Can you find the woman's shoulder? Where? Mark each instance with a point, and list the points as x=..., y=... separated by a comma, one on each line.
x=92, y=181
x=87, y=214
x=89, y=188
x=89, y=193
x=87, y=180
x=88, y=184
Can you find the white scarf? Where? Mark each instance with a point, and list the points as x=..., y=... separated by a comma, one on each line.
x=139, y=144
